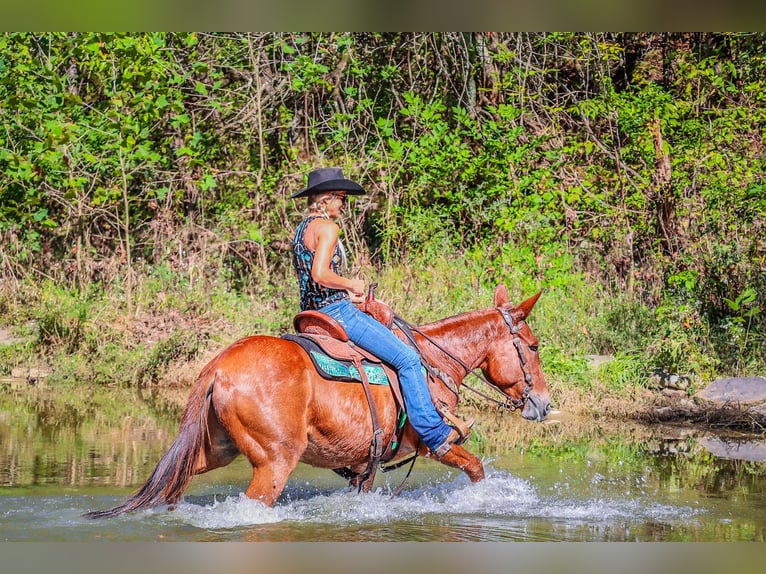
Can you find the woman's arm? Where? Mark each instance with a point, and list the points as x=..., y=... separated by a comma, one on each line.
x=326, y=239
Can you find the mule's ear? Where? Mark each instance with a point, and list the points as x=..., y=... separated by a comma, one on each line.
x=501, y=295
x=525, y=308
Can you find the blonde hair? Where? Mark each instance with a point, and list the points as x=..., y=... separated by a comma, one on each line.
x=316, y=201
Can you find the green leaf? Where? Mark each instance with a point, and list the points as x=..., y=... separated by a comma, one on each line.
x=254, y=234
x=208, y=182
x=179, y=120
x=187, y=151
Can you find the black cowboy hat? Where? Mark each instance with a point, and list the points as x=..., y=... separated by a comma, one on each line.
x=328, y=179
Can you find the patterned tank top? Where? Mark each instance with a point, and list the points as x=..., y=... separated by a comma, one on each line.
x=313, y=295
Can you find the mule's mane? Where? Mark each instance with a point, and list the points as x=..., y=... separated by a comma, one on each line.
x=466, y=335
x=462, y=320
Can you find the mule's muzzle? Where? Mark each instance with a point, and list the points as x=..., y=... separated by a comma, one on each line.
x=536, y=408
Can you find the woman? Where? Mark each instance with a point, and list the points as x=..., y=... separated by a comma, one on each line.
x=318, y=257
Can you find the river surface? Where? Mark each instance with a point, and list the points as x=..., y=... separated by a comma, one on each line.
x=66, y=451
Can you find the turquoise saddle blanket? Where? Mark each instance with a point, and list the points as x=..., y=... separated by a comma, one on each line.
x=331, y=368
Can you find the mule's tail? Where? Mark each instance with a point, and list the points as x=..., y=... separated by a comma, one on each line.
x=177, y=467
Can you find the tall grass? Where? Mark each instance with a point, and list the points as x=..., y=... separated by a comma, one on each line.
x=172, y=326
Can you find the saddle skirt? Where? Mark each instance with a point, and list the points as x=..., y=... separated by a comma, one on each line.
x=334, y=359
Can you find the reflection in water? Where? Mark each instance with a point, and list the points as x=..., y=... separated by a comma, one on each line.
x=735, y=448
x=80, y=436
x=69, y=450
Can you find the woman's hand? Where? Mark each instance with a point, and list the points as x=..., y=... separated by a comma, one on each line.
x=356, y=290
x=356, y=299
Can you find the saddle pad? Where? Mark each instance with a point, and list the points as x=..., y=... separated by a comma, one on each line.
x=336, y=369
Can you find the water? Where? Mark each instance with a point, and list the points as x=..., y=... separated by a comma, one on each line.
x=504, y=507
x=65, y=452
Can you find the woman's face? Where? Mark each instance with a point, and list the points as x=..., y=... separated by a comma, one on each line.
x=335, y=203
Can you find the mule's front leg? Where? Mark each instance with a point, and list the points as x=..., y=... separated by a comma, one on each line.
x=458, y=457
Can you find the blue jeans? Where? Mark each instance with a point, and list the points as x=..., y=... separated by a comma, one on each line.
x=373, y=336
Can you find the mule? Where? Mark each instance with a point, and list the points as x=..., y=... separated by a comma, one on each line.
x=263, y=398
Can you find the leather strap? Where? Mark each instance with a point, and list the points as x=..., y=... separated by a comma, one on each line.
x=376, y=448
x=436, y=374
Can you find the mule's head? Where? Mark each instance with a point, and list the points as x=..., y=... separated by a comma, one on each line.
x=512, y=363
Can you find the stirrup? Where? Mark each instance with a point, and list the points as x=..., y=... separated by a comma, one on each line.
x=463, y=431
x=461, y=427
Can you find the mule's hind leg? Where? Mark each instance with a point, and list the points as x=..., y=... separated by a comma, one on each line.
x=261, y=397
x=219, y=450
x=273, y=453
x=269, y=481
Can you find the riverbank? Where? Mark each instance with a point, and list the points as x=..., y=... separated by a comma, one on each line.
x=603, y=357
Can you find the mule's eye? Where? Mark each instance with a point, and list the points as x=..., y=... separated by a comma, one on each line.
x=533, y=348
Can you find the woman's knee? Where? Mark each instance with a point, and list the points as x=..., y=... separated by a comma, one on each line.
x=409, y=358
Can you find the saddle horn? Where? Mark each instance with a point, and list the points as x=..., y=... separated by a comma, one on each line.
x=371, y=292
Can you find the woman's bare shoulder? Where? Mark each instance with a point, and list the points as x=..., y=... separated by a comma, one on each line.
x=323, y=230
x=322, y=226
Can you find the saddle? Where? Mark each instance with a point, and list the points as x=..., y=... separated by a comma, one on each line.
x=337, y=358
x=316, y=323
x=319, y=333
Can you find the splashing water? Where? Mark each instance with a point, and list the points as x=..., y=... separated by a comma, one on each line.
x=500, y=497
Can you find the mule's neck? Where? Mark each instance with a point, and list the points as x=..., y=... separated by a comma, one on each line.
x=466, y=337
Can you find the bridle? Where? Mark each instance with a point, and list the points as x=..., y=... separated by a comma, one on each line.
x=507, y=403
x=515, y=330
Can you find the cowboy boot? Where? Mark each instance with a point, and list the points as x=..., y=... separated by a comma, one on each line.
x=461, y=430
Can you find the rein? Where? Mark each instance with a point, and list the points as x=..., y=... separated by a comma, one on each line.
x=508, y=403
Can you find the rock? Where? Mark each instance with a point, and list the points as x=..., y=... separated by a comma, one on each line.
x=741, y=390
x=736, y=449
x=678, y=382
x=687, y=404
x=30, y=372
x=661, y=379
x=596, y=361
x=673, y=393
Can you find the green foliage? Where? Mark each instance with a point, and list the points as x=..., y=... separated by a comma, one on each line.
x=621, y=173
x=181, y=346
x=14, y=355
x=570, y=369
x=627, y=370
x=62, y=320
x=682, y=346
x=626, y=326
